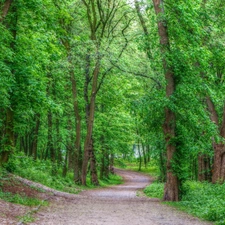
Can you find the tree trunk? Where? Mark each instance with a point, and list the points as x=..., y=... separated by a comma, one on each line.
x=148, y=153
x=204, y=173
x=90, y=122
x=105, y=165
x=69, y=146
x=9, y=145
x=102, y=169
x=171, y=191
x=94, y=176
x=144, y=155
x=35, y=137
x=65, y=165
x=162, y=166
x=218, y=172
x=219, y=163
x=77, y=170
x=5, y=9
x=58, y=144
x=140, y=159
x=111, y=164
x=50, y=146
x=8, y=148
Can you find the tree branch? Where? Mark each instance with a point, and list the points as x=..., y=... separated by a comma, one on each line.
x=5, y=9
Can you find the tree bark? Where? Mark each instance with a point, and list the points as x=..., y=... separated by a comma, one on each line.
x=90, y=122
x=35, y=137
x=218, y=171
x=94, y=176
x=204, y=166
x=77, y=175
x=171, y=191
x=144, y=154
x=69, y=145
x=9, y=145
x=50, y=146
x=140, y=158
x=58, y=144
x=111, y=164
x=5, y=9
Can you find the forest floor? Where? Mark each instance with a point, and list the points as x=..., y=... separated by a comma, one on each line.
x=123, y=204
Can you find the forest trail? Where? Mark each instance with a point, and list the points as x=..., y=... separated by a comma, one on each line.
x=116, y=205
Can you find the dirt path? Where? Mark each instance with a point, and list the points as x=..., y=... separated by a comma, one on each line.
x=118, y=205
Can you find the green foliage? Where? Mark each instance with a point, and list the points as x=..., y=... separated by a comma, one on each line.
x=28, y=218
x=204, y=200
x=112, y=180
x=19, y=199
x=41, y=171
x=151, y=169
x=154, y=190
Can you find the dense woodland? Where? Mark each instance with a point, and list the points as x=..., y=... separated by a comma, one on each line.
x=83, y=81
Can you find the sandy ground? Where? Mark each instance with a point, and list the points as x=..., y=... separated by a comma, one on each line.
x=117, y=205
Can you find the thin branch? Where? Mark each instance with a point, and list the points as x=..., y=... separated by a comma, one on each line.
x=137, y=74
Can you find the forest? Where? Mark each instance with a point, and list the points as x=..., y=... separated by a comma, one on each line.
x=89, y=85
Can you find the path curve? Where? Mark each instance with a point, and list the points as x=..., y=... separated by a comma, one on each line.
x=116, y=205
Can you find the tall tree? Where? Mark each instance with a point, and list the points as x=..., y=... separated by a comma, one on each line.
x=171, y=192
x=11, y=25
x=105, y=19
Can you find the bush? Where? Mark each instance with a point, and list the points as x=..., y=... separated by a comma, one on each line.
x=204, y=200
x=154, y=190
x=41, y=171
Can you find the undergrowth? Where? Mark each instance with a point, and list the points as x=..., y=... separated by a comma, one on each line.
x=155, y=190
x=150, y=169
x=41, y=171
x=204, y=200
x=20, y=199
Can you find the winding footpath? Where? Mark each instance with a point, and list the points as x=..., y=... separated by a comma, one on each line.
x=117, y=205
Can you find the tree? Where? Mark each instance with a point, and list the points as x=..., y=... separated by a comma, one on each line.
x=171, y=192
x=105, y=19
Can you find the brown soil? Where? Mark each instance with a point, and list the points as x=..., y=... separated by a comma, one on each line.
x=117, y=205
x=11, y=213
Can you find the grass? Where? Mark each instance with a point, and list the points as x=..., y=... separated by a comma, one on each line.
x=40, y=171
x=26, y=219
x=204, y=200
x=155, y=190
x=112, y=180
x=19, y=199
x=151, y=169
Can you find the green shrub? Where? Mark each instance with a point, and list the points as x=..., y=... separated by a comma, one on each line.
x=204, y=200
x=41, y=171
x=154, y=190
